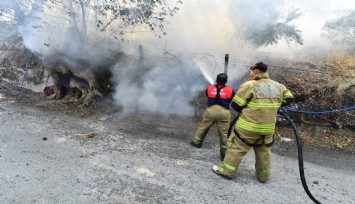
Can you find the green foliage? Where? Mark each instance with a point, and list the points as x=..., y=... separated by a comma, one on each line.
x=272, y=32
x=268, y=27
x=338, y=146
x=110, y=16
x=151, y=13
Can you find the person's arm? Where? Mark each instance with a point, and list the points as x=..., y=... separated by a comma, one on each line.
x=288, y=98
x=287, y=102
x=236, y=107
x=241, y=98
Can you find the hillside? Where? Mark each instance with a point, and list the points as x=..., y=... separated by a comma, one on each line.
x=318, y=84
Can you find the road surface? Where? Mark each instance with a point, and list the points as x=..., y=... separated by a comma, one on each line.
x=46, y=156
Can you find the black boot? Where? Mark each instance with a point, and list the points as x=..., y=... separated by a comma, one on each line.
x=195, y=145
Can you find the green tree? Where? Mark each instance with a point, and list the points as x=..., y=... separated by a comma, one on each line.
x=262, y=23
x=114, y=17
x=278, y=27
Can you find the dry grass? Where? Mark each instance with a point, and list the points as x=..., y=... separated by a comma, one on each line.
x=321, y=137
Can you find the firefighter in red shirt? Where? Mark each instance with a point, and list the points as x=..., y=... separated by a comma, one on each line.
x=219, y=97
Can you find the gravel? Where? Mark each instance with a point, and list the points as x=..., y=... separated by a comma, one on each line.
x=48, y=155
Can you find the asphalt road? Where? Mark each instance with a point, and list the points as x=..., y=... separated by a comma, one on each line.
x=47, y=157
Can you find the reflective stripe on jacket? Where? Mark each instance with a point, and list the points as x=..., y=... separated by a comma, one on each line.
x=261, y=97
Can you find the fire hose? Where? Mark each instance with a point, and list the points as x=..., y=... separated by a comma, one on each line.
x=299, y=147
x=299, y=144
x=300, y=156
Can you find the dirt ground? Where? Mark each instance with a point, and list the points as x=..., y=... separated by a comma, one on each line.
x=55, y=152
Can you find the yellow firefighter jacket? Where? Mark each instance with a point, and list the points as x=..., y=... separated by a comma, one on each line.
x=261, y=97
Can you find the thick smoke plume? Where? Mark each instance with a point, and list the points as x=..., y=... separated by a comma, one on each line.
x=158, y=84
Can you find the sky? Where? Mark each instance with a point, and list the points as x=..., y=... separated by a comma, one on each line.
x=208, y=26
x=205, y=27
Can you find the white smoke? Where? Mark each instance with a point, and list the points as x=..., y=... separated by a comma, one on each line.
x=49, y=32
x=161, y=86
x=167, y=86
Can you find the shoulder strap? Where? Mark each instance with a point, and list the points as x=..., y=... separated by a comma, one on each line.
x=218, y=96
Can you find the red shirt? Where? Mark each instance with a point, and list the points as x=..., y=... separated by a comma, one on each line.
x=226, y=95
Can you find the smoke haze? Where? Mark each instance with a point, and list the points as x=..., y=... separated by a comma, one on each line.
x=166, y=88
x=166, y=84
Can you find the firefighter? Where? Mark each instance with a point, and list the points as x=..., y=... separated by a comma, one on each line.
x=219, y=97
x=257, y=102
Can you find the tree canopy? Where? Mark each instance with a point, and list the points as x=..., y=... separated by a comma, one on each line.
x=265, y=23
x=276, y=28
x=341, y=30
x=115, y=18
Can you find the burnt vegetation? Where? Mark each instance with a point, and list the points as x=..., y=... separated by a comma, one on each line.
x=74, y=67
x=79, y=78
x=318, y=84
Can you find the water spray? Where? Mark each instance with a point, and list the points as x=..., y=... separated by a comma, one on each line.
x=205, y=73
x=204, y=68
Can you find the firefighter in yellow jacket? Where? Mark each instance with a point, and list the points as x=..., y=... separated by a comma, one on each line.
x=219, y=97
x=258, y=101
